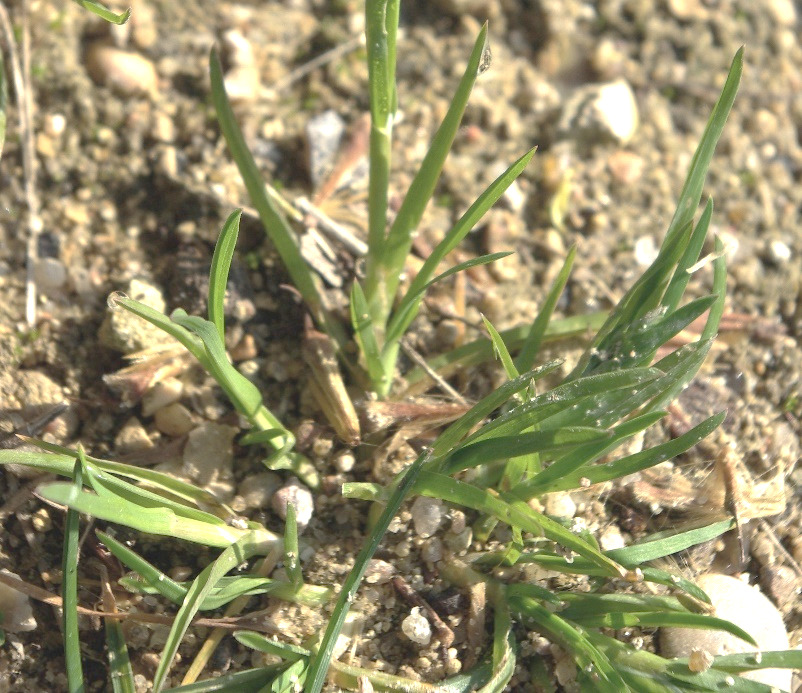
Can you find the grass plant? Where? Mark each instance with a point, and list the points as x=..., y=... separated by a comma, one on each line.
x=518, y=443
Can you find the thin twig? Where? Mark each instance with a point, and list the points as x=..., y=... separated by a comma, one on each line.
x=319, y=61
x=331, y=228
x=22, y=91
x=434, y=375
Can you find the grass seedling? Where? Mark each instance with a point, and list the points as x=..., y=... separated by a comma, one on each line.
x=510, y=448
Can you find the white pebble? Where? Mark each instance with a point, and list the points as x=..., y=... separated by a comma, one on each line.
x=127, y=73
x=162, y=394
x=560, y=504
x=209, y=456
x=779, y=252
x=174, y=420
x=427, y=513
x=417, y=628
x=256, y=490
x=300, y=496
x=17, y=614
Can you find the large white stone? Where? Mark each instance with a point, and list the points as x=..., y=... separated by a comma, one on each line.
x=746, y=607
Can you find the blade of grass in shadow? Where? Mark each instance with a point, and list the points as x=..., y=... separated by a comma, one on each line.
x=320, y=662
x=526, y=358
x=273, y=222
x=121, y=672
x=69, y=590
x=249, y=681
x=218, y=274
x=257, y=641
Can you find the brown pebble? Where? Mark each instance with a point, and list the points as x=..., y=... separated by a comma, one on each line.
x=125, y=72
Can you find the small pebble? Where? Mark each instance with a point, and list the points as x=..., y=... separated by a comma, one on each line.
x=125, y=72
x=645, y=251
x=300, y=496
x=15, y=607
x=417, y=628
x=162, y=394
x=208, y=457
x=427, y=513
x=132, y=438
x=50, y=274
x=779, y=252
x=379, y=572
x=256, y=490
x=601, y=112
x=174, y=420
x=560, y=504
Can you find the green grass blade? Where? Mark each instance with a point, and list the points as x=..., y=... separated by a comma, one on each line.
x=320, y=663
x=248, y=681
x=190, y=342
x=629, y=464
x=720, y=289
x=526, y=358
x=447, y=440
x=679, y=282
x=547, y=480
x=104, y=12
x=292, y=562
x=407, y=310
x=659, y=619
x=365, y=334
x=218, y=274
x=561, y=398
x=251, y=544
x=257, y=641
x=409, y=304
x=506, y=447
x=69, y=589
x=515, y=514
x=692, y=189
x=501, y=351
x=481, y=350
x=588, y=657
x=750, y=661
x=242, y=393
x=399, y=238
x=121, y=672
x=275, y=225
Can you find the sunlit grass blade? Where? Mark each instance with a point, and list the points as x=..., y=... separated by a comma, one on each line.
x=152, y=520
x=121, y=672
x=588, y=658
x=692, y=189
x=104, y=12
x=292, y=561
x=515, y=514
x=69, y=591
x=320, y=662
x=547, y=480
x=526, y=358
x=59, y=460
x=218, y=274
x=505, y=447
x=257, y=641
x=365, y=333
x=561, y=398
x=244, y=395
x=276, y=227
x=719, y=288
x=385, y=260
x=249, y=545
x=409, y=304
x=594, y=474
x=501, y=351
